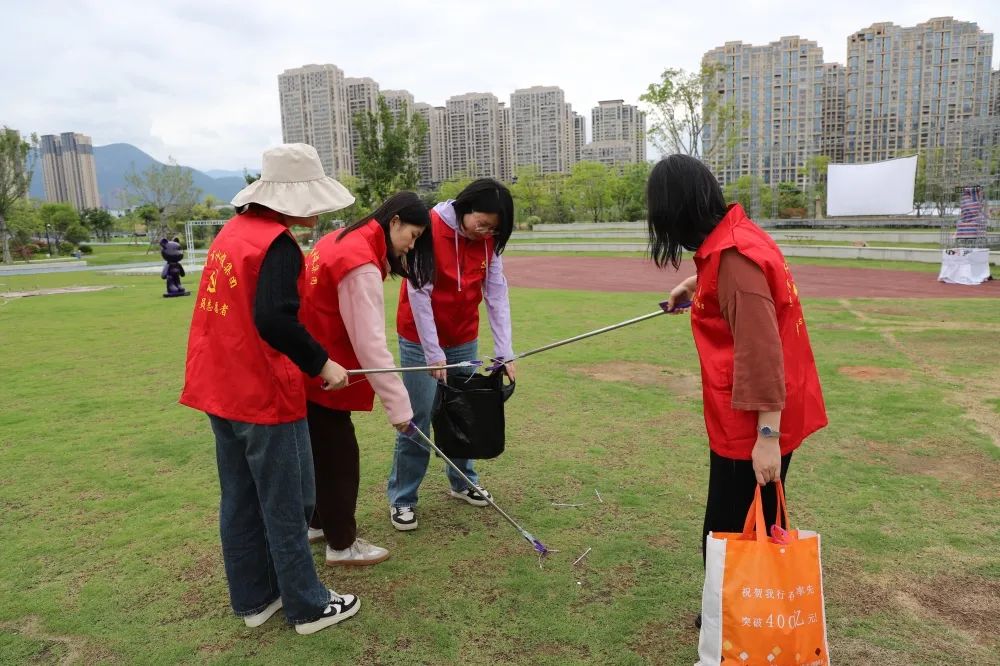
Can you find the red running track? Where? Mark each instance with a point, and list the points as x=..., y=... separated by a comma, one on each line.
x=634, y=274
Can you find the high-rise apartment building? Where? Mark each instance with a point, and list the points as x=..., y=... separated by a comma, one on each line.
x=399, y=101
x=473, y=135
x=542, y=127
x=778, y=90
x=362, y=97
x=69, y=171
x=506, y=144
x=579, y=136
x=995, y=93
x=832, y=138
x=433, y=162
x=314, y=111
x=915, y=89
x=612, y=153
x=614, y=121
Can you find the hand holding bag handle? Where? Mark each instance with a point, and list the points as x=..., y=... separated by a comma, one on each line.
x=755, y=528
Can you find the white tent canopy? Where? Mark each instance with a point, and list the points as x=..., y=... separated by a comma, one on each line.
x=879, y=188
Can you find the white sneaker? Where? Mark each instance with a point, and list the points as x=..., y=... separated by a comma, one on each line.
x=358, y=554
x=340, y=608
x=260, y=618
x=315, y=535
x=473, y=497
x=403, y=518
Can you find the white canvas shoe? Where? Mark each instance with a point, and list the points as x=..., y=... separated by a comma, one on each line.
x=358, y=554
x=316, y=535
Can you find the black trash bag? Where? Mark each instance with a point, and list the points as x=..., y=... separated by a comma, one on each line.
x=468, y=415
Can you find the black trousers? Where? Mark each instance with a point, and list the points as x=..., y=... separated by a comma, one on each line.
x=336, y=461
x=730, y=494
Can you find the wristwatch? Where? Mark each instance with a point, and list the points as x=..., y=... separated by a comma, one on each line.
x=768, y=432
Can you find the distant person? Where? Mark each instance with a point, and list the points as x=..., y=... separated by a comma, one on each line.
x=246, y=354
x=438, y=324
x=343, y=306
x=761, y=391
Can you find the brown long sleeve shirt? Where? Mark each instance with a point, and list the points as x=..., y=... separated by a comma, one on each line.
x=747, y=306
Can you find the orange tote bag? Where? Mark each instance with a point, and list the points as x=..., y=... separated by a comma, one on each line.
x=762, y=604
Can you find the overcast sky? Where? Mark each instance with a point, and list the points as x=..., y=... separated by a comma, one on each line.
x=197, y=80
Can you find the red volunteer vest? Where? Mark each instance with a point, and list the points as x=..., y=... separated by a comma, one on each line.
x=231, y=372
x=456, y=311
x=731, y=432
x=329, y=262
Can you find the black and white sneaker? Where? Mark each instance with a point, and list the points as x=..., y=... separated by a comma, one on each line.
x=473, y=497
x=403, y=518
x=341, y=607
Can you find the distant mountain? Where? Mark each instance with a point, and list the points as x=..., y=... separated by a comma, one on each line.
x=117, y=159
x=222, y=173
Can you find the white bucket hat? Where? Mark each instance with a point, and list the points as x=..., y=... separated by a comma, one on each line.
x=292, y=182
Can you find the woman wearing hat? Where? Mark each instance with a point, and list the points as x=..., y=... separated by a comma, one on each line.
x=246, y=354
x=344, y=308
x=439, y=323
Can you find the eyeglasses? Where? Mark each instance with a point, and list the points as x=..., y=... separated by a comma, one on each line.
x=483, y=230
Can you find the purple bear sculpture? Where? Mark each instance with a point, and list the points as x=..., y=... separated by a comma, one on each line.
x=173, y=271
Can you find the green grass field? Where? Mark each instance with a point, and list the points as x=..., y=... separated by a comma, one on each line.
x=108, y=494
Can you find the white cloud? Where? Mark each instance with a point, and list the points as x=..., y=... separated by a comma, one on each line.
x=198, y=80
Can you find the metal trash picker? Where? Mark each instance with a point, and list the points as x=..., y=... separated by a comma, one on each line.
x=682, y=305
x=535, y=543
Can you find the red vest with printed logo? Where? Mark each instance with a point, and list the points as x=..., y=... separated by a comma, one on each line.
x=231, y=371
x=329, y=262
x=732, y=432
x=459, y=279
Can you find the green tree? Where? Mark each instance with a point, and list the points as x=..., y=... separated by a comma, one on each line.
x=628, y=191
x=557, y=199
x=450, y=188
x=16, y=162
x=57, y=219
x=207, y=210
x=939, y=180
x=791, y=201
x=589, y=182
x=920, y=184
x=99, y=221
x=681, y=105
x=24, y=226
x=528, y=191
x=168, y=188
x=77, y=234
x=751, y=193
x=389, y=147
x=815, y=170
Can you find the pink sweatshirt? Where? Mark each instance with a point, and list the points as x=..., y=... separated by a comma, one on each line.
x=362, y=306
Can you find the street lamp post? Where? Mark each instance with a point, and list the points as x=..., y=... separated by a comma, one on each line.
x=47, y=240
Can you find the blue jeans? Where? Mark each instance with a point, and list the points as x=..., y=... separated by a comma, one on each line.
x=268, y=495
x=409, y=462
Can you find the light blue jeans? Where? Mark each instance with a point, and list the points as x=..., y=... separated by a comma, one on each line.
x=409, y=462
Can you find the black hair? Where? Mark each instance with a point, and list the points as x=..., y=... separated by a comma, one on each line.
x=685, y=203
x=253, y=207
x=418, y=264
x=487, y=195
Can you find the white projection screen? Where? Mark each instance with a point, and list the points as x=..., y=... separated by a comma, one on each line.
x=879, y=188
